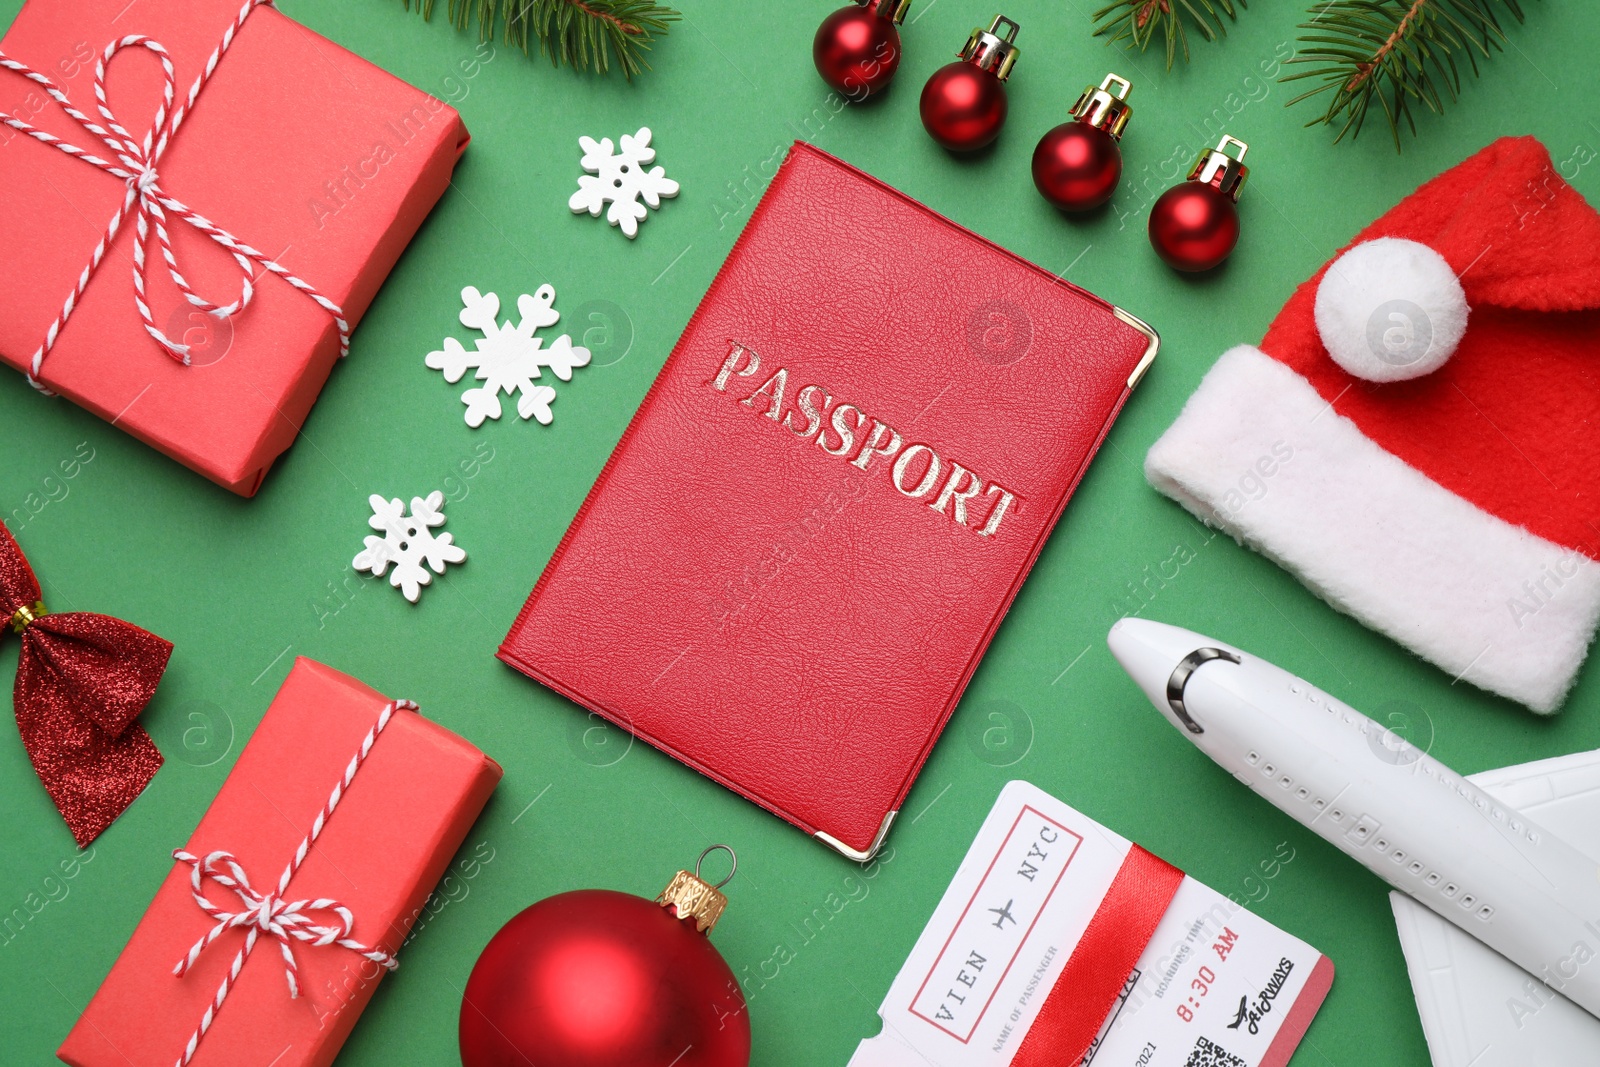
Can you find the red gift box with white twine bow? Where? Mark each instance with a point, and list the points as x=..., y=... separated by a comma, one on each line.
x=292, y=896
x=201, y=200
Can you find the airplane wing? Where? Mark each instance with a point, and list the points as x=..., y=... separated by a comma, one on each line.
x=1478, y=1008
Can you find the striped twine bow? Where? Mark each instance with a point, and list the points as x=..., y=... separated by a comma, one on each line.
x=284, y=920
x=135, y=165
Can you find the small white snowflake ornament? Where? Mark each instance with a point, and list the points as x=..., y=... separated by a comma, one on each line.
x=621, y=178
x=408, y=542
x=507, y=358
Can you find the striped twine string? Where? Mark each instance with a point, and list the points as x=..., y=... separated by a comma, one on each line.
x=134, y=164
x=284, y=920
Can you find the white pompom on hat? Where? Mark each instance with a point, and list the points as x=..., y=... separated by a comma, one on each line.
x=1391, y=309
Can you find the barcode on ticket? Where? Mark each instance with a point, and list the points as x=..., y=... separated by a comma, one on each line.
x=1208, y=1053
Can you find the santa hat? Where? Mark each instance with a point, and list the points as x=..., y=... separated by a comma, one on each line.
x=1417, y=438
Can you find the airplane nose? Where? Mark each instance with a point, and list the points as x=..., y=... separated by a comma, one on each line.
x=1150, y=651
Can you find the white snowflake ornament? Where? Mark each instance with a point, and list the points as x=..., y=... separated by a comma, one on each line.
x=621, y=178
x=507, y=358
x=408, y=542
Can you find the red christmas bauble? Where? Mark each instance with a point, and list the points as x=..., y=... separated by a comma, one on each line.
x=857, y=50
x=596, y=978
x=1194, y=226
x=963, y=106
x=1076, y=166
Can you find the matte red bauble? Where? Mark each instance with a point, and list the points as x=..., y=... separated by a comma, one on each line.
x=1194, y=226
x=1077, y=164
x=597, y=978
x=857, y=48
x=964, y=103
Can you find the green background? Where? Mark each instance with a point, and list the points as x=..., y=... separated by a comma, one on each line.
x=243, y=586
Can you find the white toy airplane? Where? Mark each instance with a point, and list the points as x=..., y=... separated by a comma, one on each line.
x=1500, y=917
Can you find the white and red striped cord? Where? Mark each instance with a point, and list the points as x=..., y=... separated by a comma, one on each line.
x=284, y=920
x=149, y=203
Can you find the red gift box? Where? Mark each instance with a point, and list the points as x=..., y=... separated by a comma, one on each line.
x=310, y=155
x=392, y=833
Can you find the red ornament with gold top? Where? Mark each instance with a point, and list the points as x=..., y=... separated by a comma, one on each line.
x=857, y=48
x=1077, y=164
x=964, y=103
x=597, y=978
x=1194, y=226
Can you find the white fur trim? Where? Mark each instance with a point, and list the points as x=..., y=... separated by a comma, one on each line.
x=1390, y=309
x=1258, y=453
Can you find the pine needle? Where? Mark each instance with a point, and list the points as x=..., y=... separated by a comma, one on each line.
x=1393, y=55
x=1139, y=21
x=582, y=34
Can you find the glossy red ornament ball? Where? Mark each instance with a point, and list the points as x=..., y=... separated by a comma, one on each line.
x=597, y=978
x=1076, y=166
x=857, y=50
x=963, y=106
x=1194, y=226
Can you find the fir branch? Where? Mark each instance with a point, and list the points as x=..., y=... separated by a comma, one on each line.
x=1138, y=22
x=1394, y=54
x=582, y=34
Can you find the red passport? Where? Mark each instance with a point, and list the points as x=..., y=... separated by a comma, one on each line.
x=807, y=536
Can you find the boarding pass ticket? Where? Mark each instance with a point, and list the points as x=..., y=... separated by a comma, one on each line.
x=1216, y=986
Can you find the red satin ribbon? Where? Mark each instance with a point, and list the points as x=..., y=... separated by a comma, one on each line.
x=1090, y=983
x=82, y=680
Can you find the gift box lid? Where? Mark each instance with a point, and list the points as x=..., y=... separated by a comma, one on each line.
x=310, y=154
x=388, y=842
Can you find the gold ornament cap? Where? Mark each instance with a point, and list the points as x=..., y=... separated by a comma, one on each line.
x=1101, y=109
x=989, y=51
x=695, y=898
x=893, y=10
x=1217, y=168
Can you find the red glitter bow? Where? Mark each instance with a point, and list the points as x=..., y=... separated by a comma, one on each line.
x=82, y=680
